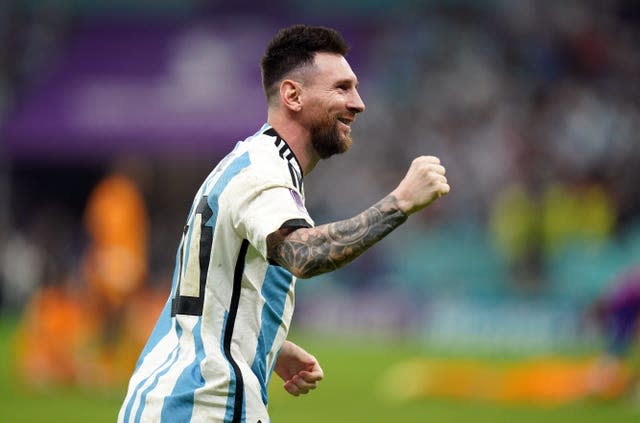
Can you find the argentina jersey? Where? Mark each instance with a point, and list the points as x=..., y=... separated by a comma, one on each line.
x=213, y=349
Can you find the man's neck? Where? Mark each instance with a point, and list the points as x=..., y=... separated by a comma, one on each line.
x=298, y=139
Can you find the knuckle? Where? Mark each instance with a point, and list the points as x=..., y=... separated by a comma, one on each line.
x=433, y=159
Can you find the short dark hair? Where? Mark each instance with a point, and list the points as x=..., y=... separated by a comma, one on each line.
x=294, y=47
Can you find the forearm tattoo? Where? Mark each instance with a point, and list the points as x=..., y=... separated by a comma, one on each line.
x=312, y=251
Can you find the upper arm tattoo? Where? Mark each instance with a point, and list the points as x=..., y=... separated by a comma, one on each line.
x=308, y=252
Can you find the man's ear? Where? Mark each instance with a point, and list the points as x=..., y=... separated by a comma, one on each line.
x=291, y=95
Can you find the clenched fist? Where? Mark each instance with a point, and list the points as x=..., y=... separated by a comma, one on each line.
x=424, y=183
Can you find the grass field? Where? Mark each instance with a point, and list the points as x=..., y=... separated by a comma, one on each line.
x=348, y=394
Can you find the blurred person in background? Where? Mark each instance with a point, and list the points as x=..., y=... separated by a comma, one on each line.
x=115, y=219
x=618, y=312
x=84, y=324
x=249, y=236
x=115, y=265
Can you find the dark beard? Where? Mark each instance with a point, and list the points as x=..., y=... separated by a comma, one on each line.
x=326, y=140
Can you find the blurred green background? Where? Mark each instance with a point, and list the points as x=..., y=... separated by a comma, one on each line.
x=350, y=393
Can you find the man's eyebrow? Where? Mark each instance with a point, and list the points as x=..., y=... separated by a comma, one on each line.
x=349, y=81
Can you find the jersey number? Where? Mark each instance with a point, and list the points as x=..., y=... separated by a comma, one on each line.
x=194, y=266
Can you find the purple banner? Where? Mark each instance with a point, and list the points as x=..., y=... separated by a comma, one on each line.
x=152, y=87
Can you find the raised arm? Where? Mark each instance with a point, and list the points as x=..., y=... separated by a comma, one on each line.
x=308, y=252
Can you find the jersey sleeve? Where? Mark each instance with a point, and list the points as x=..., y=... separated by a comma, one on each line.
x=266, y=206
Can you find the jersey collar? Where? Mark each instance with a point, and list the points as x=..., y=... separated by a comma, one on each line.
x=284, y=150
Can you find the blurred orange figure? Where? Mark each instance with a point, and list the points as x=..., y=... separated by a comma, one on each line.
x=90, y=331
x=116, y=220
x=115, y=265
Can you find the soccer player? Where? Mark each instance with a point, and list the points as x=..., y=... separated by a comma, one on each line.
x=248, y=237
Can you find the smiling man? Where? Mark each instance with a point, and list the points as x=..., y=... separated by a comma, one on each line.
x=248, y=237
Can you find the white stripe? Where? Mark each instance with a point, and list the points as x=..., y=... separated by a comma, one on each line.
x=166, y=383
x=161, y=352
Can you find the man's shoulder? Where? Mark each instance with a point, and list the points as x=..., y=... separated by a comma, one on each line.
x=263, y=150
x=267, y=159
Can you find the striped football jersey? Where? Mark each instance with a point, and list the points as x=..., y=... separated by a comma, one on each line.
x=213, y=349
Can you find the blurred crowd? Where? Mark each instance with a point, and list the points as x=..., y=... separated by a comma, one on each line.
x=531, y=105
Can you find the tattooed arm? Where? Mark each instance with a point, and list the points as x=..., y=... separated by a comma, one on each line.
x=308, y=252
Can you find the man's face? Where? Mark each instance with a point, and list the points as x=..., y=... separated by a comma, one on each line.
x=331, y=104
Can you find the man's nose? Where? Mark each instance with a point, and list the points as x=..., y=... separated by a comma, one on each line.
x=355, y=103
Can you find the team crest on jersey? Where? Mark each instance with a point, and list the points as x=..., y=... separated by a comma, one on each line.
x=297, y=200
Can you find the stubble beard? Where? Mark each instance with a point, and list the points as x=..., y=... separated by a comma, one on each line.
x=327, y=140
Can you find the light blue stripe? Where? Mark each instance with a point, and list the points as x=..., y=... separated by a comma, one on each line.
x=173, y=355
x=229, y=156
x=234, y=168
x=164, y=323
x=161, y=329
x=275, y=289
x=179, y=406
x=127, y=413
x=229, y=173
x=143, y=397
x=217, y=170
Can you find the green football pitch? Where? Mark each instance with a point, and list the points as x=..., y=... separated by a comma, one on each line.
x=349, y=393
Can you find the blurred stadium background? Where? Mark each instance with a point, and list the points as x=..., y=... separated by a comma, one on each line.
x=112, y=112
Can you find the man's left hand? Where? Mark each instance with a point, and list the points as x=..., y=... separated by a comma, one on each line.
x=300, y=370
